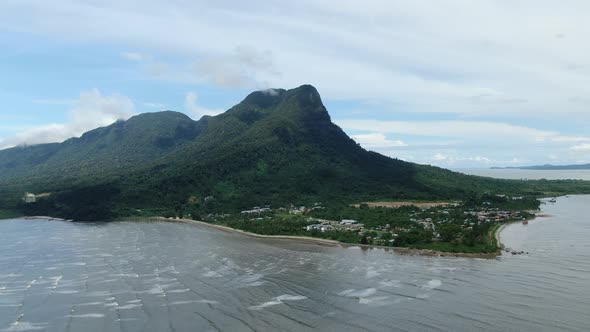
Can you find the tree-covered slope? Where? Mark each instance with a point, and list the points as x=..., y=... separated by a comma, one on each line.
x=115, y=149
x=276, y=147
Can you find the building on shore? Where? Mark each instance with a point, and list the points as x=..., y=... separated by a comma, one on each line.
x=29, y=198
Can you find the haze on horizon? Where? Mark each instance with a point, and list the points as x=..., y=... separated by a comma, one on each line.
x=467, y=84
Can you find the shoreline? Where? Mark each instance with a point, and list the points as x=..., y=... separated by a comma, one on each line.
x=260, y=236
x=498, y=231
x=399, y=250
x=497, y=236
x=42, y=218
x=406, y=251
x=37, y=218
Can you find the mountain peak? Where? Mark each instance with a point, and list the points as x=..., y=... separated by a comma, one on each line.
x=265, y=98
x=160, y=115
x=305, y=89
x=271, y=97
x=308, y=97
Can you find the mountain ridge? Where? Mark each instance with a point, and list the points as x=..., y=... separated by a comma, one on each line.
x=276, y=147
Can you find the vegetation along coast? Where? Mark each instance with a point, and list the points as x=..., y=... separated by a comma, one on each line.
x=273, y=165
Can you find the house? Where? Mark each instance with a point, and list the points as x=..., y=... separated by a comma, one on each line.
x=257, y=210
x=322, y=228
x=348, y=222
x=29, y=198
x=297, y=210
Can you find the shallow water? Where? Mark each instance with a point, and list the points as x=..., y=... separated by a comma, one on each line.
x=518, y=174
x=134, y=276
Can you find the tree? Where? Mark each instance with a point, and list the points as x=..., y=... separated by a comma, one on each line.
x=364, y=240
x=449, y=232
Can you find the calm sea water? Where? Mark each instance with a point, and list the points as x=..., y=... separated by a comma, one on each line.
x=529, y=174
x=135, y=276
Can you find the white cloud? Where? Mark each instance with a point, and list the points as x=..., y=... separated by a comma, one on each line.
x=501, y=66
x=472, y=130
x=504, y=58
x=194, y=110
x=90, y=111
x=452, y=143
x=581, y=147
x=377, y=140
x=439, y=157
x=445, y=160
x=570, y=139
x=271, y=92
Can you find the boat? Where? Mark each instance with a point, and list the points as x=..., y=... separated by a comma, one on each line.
x=525, y=222
x=553, y=200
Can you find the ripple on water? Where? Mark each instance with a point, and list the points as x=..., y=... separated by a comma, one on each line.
x=278, y=300
x=25, y=326
x=232, y=280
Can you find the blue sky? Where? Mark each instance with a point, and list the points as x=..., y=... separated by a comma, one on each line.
x=467, y=84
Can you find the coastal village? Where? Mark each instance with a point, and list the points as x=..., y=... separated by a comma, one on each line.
x=393, y=224
x=465, y=226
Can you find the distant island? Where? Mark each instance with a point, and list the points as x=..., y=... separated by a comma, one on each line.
x=549, y=167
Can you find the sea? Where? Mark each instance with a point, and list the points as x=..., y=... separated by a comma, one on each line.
x=523, y=174
x=151, y=276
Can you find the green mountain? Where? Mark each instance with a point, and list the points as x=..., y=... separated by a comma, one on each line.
x=276, y=147
x=114, y=148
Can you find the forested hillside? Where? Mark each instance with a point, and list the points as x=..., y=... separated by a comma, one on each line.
x=277, y=147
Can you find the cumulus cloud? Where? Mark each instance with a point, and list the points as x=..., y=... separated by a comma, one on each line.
x=194, y=110
x=452, y=160
x=451, y=143
x=405, y=56
x=430, y=57
x=453, y=129
x=377, y=140
x=439, y=157
x=91, y=110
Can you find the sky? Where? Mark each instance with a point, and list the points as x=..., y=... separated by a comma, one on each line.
x=457, y=84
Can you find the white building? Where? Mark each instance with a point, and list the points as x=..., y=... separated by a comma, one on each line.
x=322, y=228
x=29, y=198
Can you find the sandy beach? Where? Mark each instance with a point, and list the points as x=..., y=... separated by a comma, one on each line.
x=234, y=230
x=398, y=250
x=43, y=218
x=324, y=242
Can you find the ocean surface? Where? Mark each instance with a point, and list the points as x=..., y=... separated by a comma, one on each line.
x=142, y=276
x=529, y=174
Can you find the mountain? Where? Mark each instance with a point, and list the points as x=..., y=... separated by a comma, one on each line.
x=276, y=147
x=549, y=167
x=115, y=148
